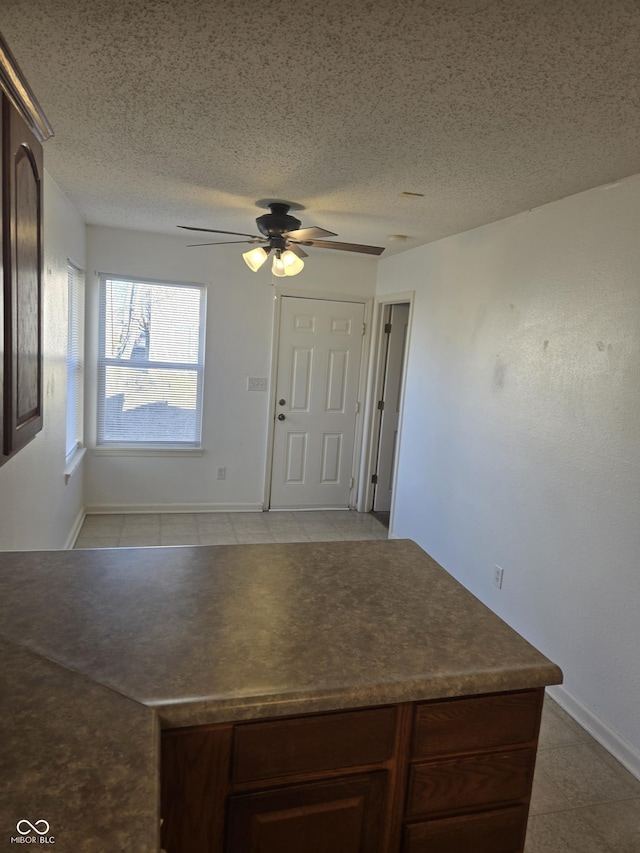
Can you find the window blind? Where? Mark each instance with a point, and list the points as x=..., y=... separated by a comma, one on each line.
x=75, y=359
x=151, y=363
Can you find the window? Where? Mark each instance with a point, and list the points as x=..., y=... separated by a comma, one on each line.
x=75, y=361
x=151, y=363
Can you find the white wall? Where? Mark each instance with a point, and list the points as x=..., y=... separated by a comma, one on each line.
x=37, y=509
x=239, y=333
x=521, y=434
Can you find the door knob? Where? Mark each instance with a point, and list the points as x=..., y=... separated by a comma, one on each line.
x=282, y=402
x=280, y=417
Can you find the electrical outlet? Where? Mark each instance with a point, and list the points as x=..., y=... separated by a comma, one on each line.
x=498, y=574
x=221, y=473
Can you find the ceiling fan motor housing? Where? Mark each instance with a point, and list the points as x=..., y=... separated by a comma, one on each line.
x=275, y=224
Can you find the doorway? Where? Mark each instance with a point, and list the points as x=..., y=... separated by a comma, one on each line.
x=317, y=378
x=385, y=405
x=396, y=324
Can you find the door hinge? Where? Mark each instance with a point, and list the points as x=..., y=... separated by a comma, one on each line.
x=351, y=483
x=358, y=407
x=380, y=405
x=364, y=328
x=374, y=479
x=387, y=328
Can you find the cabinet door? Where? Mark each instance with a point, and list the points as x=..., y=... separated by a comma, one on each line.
x=338, y=816
x=22, y=192
x=194, y=778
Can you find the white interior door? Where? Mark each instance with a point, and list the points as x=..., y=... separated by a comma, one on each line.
x=390, y=414
x=316, y=402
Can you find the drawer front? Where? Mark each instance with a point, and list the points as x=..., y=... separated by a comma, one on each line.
x=484, y=722
x=499, y=831
x=470, y=782
x=312, y=744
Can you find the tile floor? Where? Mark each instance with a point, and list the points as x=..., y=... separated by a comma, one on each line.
x=583, y=800
x=226, y=528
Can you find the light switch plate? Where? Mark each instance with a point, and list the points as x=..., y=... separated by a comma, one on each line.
x=256, y=383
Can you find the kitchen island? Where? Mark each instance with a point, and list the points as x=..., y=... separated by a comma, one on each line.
x=306, y=685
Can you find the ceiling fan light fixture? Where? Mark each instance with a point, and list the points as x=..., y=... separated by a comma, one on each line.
x=254, y=258
x=277, y=267
x=281, y=234
x=292, y=263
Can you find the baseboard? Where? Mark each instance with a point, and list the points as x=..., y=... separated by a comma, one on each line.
x=111, y=509
x=77, y=524
x=597, y=728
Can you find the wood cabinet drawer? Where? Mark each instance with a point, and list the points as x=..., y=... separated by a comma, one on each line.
x=470, y=782
x=457, y=726
x=312, y=744
x=499, y=831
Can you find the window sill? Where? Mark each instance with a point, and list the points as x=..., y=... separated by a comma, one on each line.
x=73, y=463
x=147, y=451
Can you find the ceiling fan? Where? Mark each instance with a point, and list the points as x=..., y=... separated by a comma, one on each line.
x=280, y=232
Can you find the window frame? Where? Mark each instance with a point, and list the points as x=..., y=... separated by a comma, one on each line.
x=75, y=361
x=149, y=447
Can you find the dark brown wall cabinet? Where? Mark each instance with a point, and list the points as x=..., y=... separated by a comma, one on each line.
x=448, y=776
x=23, y=128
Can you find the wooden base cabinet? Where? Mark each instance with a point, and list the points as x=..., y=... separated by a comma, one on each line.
x=448, y=776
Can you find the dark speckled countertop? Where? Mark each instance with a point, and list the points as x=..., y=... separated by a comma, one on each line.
x=122, y=638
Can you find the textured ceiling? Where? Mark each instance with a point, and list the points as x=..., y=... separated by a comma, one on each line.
x=171, y=112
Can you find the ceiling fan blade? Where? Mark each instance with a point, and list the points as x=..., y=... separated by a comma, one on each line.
x=309, y=234
x=345, y=247
x=216, y=231
x=221, y=243
x=293, y=247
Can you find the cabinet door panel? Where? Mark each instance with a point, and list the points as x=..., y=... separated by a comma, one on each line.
x=470, y=782
x=501, y=831
x=23, y=284
x=194, y=778
x=339, y=816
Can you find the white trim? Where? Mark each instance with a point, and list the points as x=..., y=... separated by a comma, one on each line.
x=359, y=436
x=75, y=530
x=104, y=362
x=123, y=509
x=369, y=446
x=367, y=301
x=147, y=451
x=271, y=414
x=303, y=293
x=621, y=749
x=75, y=361
x=73, y=463
x=127, y=278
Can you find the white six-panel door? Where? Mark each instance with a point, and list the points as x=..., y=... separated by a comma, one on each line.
x=316, y=400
